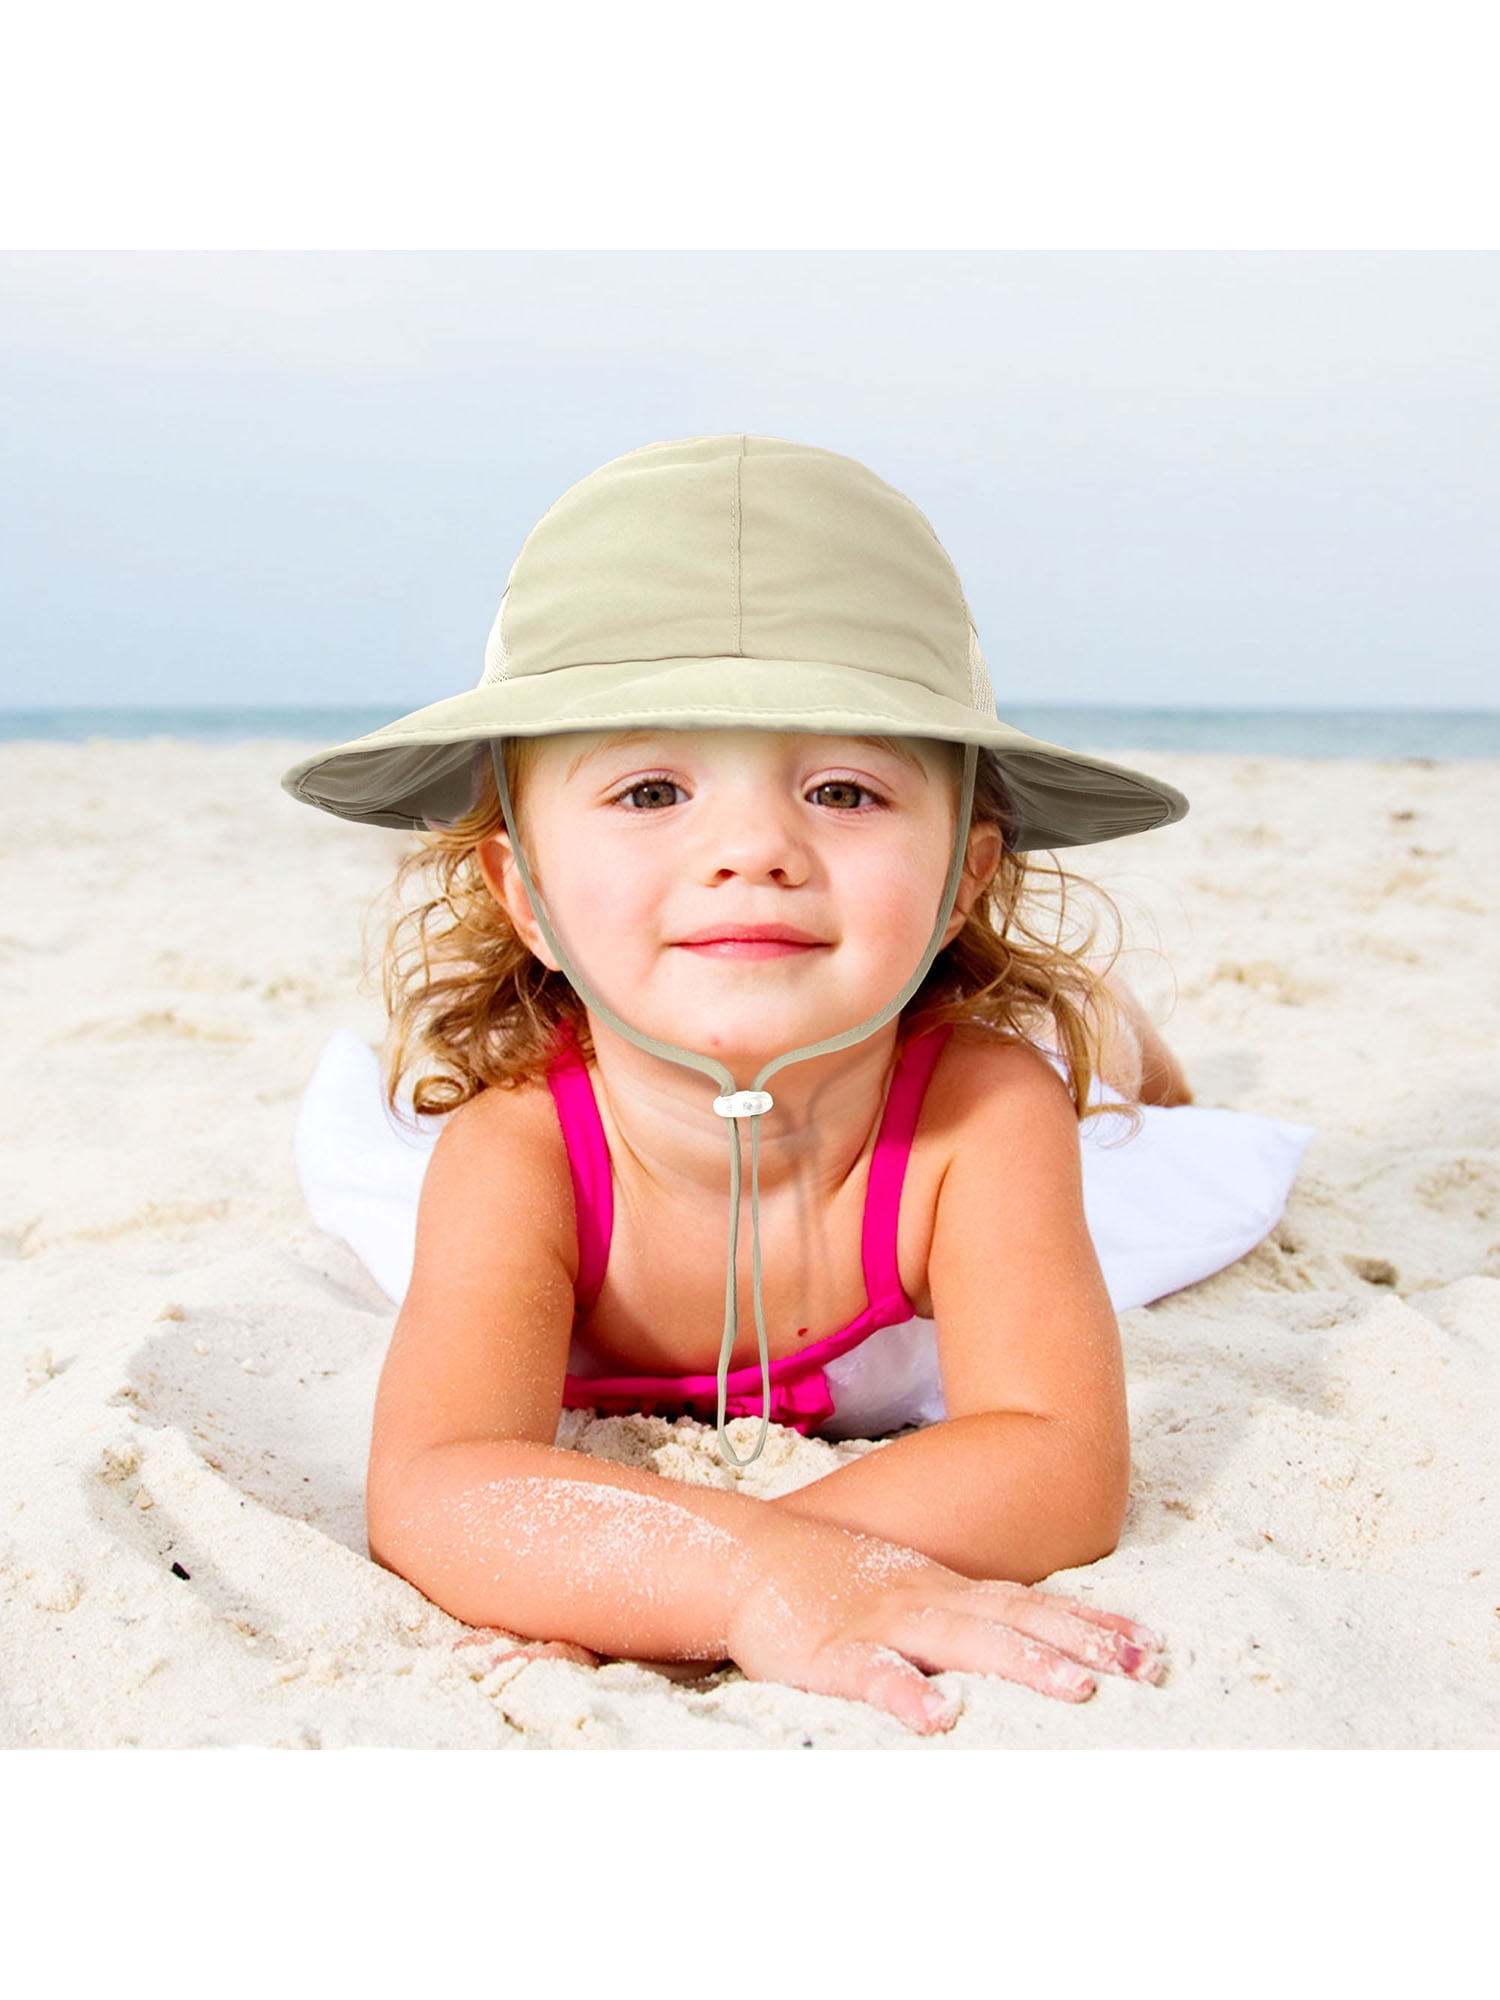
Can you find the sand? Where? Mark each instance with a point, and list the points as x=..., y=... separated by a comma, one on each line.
x=187, y=1365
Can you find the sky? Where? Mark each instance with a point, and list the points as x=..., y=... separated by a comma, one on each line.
x=1215, y=479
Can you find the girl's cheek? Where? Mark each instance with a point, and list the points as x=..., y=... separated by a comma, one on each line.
x=898, y=898
x=610, y=917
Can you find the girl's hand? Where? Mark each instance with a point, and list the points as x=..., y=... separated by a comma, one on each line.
x=510, y=1646
x=851, y=1615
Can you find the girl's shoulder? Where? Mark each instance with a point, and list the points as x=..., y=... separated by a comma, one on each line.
x=487, y=1316
x=983, y=1056
x=502, y=1148
x=982, y=1079
x=510, y=1115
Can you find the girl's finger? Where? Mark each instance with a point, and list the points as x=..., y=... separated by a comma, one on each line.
x=510, y=1646
x=548, y=1649
x=863, y=1670
x=1129, y=1628
x=487, y=1635
x=1020, y=1599
x=1105, y=1641
x=941, y=1639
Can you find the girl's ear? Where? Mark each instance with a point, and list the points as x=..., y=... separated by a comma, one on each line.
x=494, y=858
x=497, y=864
x=986, y=844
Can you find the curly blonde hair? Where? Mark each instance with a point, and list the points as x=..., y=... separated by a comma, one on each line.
x=470, y=1008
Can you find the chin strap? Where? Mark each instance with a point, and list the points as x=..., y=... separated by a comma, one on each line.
x=732, y=1104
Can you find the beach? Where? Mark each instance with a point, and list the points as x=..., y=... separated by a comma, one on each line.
x=188, y=1365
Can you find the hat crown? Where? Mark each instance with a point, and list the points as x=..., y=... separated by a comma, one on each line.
x=729, y=582
x=738, y=546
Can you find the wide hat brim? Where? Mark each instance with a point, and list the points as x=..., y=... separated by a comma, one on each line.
x=423, y=770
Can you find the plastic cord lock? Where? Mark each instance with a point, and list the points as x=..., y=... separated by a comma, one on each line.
x=743, y=1103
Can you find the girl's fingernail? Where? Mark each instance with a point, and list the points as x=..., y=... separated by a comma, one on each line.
x=939, y=1708
x=1074, y=1680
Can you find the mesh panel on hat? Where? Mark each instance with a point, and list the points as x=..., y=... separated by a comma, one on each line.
x=496, y=659
x=981, y=693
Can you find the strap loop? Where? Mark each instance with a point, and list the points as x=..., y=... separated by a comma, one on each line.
x=744, y=1104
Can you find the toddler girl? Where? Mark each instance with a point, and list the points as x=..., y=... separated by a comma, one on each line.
x=734, y=746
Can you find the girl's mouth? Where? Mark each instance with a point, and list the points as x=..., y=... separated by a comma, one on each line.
x=731, y=947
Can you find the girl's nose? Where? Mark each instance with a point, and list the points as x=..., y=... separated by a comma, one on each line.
x=757, y=837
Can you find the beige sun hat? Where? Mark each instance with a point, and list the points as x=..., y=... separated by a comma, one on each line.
x=729, y=582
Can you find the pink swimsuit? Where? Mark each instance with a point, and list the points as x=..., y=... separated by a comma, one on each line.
x=800, y=1394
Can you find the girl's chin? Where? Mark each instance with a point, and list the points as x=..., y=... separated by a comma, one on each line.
x=740, y=1038
x=743, y=1014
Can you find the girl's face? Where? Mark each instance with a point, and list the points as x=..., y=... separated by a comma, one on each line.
x=661, y=854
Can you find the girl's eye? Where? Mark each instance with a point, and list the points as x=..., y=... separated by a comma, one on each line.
x=848, y=785
x=647, y=785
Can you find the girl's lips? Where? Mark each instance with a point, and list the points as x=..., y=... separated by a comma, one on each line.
x=749, y=947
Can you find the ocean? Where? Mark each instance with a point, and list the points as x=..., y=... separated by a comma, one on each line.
x=1438, y=735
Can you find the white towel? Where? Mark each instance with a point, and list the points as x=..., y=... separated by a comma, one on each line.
x=361, y=1171
x=1194, y=1190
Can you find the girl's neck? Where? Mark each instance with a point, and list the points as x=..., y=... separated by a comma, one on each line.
x=659, y=1116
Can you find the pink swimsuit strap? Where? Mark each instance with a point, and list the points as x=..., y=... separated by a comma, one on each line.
x=799, y=1392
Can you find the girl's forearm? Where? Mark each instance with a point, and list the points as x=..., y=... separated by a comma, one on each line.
x=997, y=1494
x=552, y=1544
